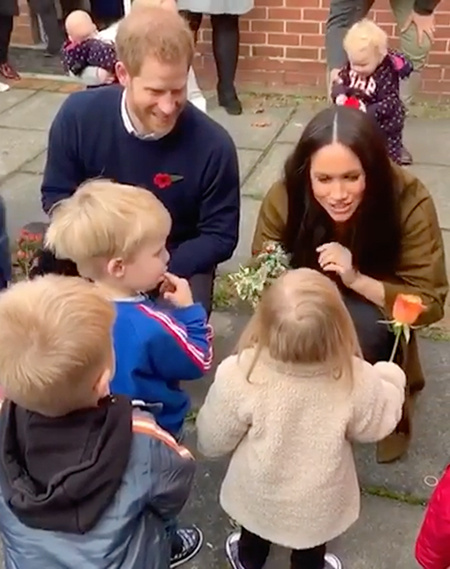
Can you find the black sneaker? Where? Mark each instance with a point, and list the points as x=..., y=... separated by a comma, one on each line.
x=232, y=550
x=191, y=541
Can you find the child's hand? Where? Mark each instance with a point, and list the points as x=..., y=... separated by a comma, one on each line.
x=341, y=99
x=176, y=290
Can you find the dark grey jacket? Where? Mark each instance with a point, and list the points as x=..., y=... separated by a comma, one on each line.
x=5, y=255
x=131, y=532
x=9, y=8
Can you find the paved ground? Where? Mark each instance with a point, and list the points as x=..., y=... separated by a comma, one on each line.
x=384, y=536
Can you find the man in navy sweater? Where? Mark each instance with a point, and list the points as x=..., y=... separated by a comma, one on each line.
x=144, y=133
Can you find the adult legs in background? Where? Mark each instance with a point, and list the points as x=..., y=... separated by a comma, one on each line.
x=46, y=11
x=6, y=27
x=225, y=37
x=195, y=21
x=342, y=15
x=416, y=53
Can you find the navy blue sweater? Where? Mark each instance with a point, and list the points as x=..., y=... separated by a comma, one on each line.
x=88, y=140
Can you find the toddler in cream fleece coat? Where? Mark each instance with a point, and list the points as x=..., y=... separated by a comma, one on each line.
x=287, y=408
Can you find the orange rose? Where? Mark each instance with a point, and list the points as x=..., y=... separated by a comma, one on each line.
x=407, y=309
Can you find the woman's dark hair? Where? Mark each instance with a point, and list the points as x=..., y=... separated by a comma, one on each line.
x=374, y=233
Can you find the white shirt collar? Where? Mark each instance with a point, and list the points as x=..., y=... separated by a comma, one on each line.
x=128, y=124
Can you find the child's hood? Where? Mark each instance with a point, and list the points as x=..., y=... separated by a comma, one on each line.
x=60, y=474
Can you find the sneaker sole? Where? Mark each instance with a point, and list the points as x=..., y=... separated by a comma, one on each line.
x=229, y=557
x=192, y=554
x=334, y=562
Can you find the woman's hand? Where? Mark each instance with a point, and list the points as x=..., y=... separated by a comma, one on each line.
x=338, y=259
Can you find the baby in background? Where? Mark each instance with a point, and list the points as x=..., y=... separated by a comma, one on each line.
x=371, y=80
x=287, y=408
x=85, y=48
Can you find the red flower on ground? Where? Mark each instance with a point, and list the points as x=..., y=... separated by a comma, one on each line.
x=162, y=181
x=352, y=102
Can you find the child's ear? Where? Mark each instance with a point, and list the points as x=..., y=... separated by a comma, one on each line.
x=101, y=388
x=116, y=267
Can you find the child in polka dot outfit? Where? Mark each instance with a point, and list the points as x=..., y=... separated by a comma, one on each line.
x=84, y=48
x=372, y=77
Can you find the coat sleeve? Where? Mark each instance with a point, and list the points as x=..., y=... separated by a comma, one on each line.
x=170, y=469
x=222, y=422
x=433, y=541
x=378, y=397
x=341, y=85
x=272, y=217
x=422, y=265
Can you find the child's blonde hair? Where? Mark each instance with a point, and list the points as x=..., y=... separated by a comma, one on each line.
x=104, y=220
x=302, y=319
x=365, y=36
x=55, y=338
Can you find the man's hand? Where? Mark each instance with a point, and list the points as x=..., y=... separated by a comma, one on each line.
x=337, y=259
x=176, y=291
x=423, y=23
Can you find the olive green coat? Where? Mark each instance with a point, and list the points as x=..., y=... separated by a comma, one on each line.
x=421, y=269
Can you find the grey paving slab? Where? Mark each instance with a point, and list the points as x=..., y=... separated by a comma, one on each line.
x=293, y=130
x=18, y=146
x=250, y=130
x=269, y=171
x=437, y=180
x=428, y=140
x=12, y=97
x=247, y=160
x=35, y=113
x=35, y=166
x=22, y=196
x=249, y=213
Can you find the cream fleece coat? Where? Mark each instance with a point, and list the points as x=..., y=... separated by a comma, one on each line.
x=292, y=478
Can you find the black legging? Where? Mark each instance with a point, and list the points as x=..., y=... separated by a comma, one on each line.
x=225, y=40
x=6, y=27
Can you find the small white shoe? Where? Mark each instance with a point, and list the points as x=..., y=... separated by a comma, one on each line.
x=332, y=562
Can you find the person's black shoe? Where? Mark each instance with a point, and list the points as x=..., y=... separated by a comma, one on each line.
x=406, y=157
x=186, y=544
x=230, y=102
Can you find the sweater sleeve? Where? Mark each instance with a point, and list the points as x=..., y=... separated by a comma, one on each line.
x=341, y=85
x=272, y=217
x=64, y=171
x=221, y=423
x=218, y=222
x=432, y=545
x=183, y=347
x=422, y=265
x=378, y=397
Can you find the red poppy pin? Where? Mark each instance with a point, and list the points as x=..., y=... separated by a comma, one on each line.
x=163, y=181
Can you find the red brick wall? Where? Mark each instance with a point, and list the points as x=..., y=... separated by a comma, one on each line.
x=282, y=43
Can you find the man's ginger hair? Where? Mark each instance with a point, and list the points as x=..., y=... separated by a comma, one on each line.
x=105, y=220
x=365, y=36
x=153, y=32
x=55, y=338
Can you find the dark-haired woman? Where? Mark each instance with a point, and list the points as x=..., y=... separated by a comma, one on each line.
x=225, y=39
x=345, y=209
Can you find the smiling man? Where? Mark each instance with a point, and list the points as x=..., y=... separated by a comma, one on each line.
x=143, y=132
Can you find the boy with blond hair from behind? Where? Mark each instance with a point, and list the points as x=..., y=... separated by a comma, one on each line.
x=116, y=234
x=86, y=480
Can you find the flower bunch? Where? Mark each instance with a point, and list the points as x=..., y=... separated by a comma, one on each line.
x=250, y=281
x=27, y=245
x=405, y=312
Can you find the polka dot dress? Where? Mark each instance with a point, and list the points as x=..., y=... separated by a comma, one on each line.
x=380, y=92
x=89, y=53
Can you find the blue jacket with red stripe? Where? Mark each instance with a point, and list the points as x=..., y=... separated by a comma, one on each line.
x=155, y=349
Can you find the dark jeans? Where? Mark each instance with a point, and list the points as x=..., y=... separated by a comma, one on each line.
x=46, y=10
x=253, y=553
x=202, y=286
x=375, y=338
x=6, y=27
x=5, y=255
